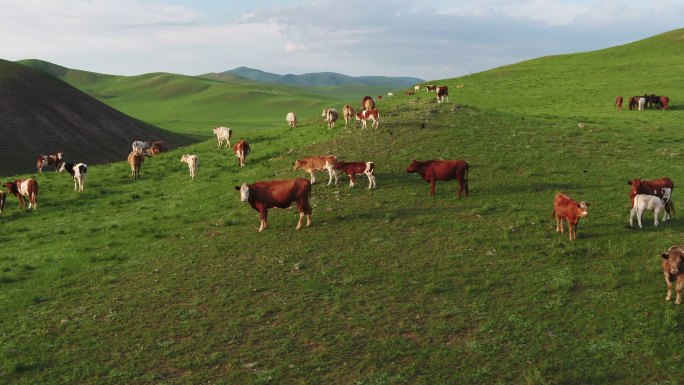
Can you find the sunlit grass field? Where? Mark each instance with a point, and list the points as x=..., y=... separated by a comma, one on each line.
x=165, y=280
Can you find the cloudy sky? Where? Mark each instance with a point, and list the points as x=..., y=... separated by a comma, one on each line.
x=430, y=39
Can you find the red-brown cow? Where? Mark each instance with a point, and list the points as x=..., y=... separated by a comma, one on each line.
x=24, y=188
x=665, y=102
x=367, y=103
x=278, y=193
x=353, y=168
x=673, y=271
x=442, y=92
x=54, y=159
x=241, y=150
x=157, y=147
x=318, y=163
x=569, y=209
x=618, y=102
x=434, y=170
x=365, y=116
x=632, y=102
x=652, y=187
x=430, y=88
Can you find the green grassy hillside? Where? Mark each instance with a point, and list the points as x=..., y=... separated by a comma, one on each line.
x=166, y=281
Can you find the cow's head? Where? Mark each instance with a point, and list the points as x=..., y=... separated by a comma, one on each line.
x=666, y=194
x=582, y=209
x=413, y=167
x=298, y=164
x=11, y=187
x=325, y=113
x=672, y=258
x=244, y=192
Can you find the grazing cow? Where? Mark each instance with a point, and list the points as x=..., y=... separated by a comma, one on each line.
x=330, y=115
x=389, y=94
x=278, y=193
x=2, y=201
x=192, y=161
x=430, y=88
x=652, y=187
x=367, y=103
x=442, y=92
x=618, y=102
x=140, y=146
x=348, y=112
x=632, y=102
x=318, y=163
x=372, y=115
x=53, y=159
x=664, y=102
x=24, y=188
x=353, y=168
x=644, y=202
x=223, y=134
x=78, y=173
x=416, y=88
x=241, y=150
x=433, y=170
x=673, y=271
x=291, y=119
x=135, y=160
x=569, y=209
x=642, y=104
x=157, y=147
x=653, y=101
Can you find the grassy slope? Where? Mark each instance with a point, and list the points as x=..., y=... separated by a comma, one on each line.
x=164, y=280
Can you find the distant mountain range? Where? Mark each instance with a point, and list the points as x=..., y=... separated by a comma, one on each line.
x=317, y=78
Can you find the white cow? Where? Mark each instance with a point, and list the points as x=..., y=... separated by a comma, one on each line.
x=642, y=104
x=291, y=119
x=389, y=94
x=223, y=133
x=140, y=146
x=330, y=115
x=643, y=202
x=192, y=161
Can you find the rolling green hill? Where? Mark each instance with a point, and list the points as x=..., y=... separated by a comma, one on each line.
x=166, y=281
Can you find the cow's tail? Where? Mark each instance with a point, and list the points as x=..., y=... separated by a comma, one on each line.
x=465, y=178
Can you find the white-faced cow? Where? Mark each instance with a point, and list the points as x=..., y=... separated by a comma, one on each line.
x=241, y=150
x=348, y=112
x=192, y=161
x=569, y=209
x=330, y=115
x=318, y=163
x=53, y=159
x=652, y=187
x=223, y=134
x=21, y=188
x=78, y=173
x=673, y=271
x=442, y=92
x=366, y=115
x=353, y=168
x=291, y=119
x=430, y=88
x=278, y=193
x=433, y=170
x=645, y=202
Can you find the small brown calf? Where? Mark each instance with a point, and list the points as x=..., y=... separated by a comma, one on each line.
x=672, y=269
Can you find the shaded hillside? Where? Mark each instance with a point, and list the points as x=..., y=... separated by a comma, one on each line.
x=321, y=78
x=40, y=114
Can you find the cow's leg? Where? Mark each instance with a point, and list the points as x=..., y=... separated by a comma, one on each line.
x=351, y=180
x=263, y=215
x=432, y=187
x=668, y=297
x=371, y=180
x=301, y=219
x=632, y=213
x=680, y=283
x=656, y=212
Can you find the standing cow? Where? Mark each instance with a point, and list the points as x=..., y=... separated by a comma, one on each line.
x=135, y=160
x=618, y=102
x=434, y=170
x=192, y=161
x=353, y=168
x=2, y=201
x=367, y=103
x=21, y=188
x=241, y=150
x=278, y=193
x=569, y=209
x=52, y=159
x=673, y=271
x=442, y=92
x=318, y=163
x=223, y=134
x=78, y=173
x=348, y=112
x=652, y=187
x=291, y=119
x=330, y=115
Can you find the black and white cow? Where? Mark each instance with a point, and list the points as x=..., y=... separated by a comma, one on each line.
x=78, y=172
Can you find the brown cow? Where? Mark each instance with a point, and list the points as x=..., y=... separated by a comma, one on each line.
x=353, y=168
x=53, y=159
x=652, y=187
x=442, y=92
x=367, y=103
x=673, y=271
x=24, y=188
x=318, y=163
x=135, y=160
x=430, y=88
x=618, y=102
x=157, y=147
x=665, y=102
x=348, y=112
x=434, y=170
x=241, y=150
x=278, y=193
x=632, y=102
x=569, y=209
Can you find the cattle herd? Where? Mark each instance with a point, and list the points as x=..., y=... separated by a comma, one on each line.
x=646, y=195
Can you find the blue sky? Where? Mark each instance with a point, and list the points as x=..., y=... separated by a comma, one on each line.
x=429, y=39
